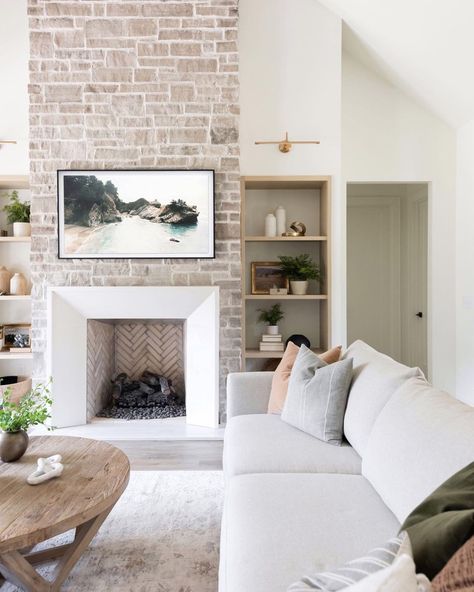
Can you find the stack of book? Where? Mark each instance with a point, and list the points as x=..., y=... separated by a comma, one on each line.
x=271, y=343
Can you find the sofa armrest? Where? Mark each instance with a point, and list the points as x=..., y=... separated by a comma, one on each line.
x=248, y=392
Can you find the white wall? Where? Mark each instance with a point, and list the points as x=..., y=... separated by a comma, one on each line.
x=386, y=137
x=290, y=77
x=465, y=264
x=14, y=51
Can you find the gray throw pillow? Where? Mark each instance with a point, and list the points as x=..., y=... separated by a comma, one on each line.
x=317, y=396
x=356, y=570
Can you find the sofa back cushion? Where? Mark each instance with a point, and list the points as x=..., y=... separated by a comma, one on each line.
x=375, y=377
x=421, y=438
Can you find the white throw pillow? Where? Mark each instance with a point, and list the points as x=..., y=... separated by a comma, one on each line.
x=398, y=577
x=421, y=438
x=375, y=377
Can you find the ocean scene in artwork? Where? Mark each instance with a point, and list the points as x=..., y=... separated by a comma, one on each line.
x=136, y=213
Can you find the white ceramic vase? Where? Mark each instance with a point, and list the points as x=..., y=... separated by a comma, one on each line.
x=299, y=287
x=18, y=285
x=5, y=277
x=21, y=229
x=272, y=329
x=280, y=215
x=270, y=225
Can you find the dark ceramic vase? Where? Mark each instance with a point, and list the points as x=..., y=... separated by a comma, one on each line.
x=13, y=445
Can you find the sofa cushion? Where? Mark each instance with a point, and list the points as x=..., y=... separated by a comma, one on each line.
x=458, y=574
x=421, y=438
x=317, y=396
x=282, y=374
x=375, y=377
x=265, y=444
x=279, y=526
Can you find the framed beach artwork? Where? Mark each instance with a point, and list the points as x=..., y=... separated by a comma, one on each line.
x=143, y=214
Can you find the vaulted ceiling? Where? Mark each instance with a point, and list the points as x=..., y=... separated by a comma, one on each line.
x=426, y=47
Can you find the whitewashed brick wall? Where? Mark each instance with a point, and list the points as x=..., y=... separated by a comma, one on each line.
x=135, y=84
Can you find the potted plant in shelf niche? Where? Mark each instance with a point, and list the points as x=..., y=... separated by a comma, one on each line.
x=18, y=214
x=272, y=317
x=299, y=270
x=16, y=418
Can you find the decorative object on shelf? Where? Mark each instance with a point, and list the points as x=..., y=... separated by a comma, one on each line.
x=270, y=225
x=298, y=340
x=48, y=468
x=18, y=285
x=18, y=387
x=286, y=145
x=297, y=229
x=271, y=316
x=18, y=214
x=299, y=270
x=135, y=214
x=17, y=337
x=266, y=275
x=278, y=291
x=5, y=277
x=16, y=418
x=3, y=233
x=280, y=215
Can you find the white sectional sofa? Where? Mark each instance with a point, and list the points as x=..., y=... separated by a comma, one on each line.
x=295, y=505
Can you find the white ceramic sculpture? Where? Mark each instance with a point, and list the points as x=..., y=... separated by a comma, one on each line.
x=48, y=468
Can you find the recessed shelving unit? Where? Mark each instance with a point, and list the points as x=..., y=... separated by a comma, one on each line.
x=15, y=256
x=306, y=199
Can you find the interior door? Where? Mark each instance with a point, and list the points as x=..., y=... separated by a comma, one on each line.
x=373, y=272
x=415, y=276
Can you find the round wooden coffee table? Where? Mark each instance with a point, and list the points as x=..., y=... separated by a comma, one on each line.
x=95, y=476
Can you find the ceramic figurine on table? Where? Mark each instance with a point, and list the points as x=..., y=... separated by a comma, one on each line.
x=48, y=468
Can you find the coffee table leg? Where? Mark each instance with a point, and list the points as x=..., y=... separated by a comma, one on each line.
x=19, y=570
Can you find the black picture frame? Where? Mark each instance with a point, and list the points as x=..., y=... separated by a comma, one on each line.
x=93, y=238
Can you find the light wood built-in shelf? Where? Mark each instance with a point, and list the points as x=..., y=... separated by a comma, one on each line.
x=7, y=355
x=15, y=297
x=256, y=353
x=15, y=239
x=286, y=297
x=284, y=239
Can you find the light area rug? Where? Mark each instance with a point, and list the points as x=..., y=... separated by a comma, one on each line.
x=162, y=536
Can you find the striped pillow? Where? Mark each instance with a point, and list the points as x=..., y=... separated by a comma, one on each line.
x=356, y=570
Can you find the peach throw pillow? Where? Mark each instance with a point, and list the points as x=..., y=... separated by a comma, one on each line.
x=283, y=371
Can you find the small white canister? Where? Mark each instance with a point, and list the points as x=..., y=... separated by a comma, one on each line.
x=280, y=214
x=18, y=285
x=270, y=225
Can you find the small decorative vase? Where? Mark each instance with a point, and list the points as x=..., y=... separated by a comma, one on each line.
x=280, y=215
x=5, y=277
x=272, y=329
x=299, y=287
x=18, y=285
x=270, y=225
x=13, y=445
x=21, y=229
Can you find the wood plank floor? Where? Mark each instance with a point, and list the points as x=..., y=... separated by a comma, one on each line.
x=172, y=455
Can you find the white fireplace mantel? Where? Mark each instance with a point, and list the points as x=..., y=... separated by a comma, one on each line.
x=69, y=309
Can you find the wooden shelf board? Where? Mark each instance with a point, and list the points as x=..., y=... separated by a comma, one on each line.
x=285, y=297
x=282, y=182
x=254, y=239
x=256, y=353
x=14, y=297
x=6, y=355
x=14, y=182
x=15, y=239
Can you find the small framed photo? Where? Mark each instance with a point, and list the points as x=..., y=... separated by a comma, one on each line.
x=17, y=337
x=267, y=275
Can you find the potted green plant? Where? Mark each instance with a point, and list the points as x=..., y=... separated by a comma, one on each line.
x=272, y=317
x=16, y=418
x=18, y=214
x=299, y=270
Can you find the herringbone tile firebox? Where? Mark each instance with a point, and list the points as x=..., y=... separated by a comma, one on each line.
x=131, y=347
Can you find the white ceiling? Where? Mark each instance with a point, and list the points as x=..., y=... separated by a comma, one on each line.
x=426, y=47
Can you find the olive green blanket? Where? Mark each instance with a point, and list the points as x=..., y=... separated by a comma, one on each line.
x=443, y=522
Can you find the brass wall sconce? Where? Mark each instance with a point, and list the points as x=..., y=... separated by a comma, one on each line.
x=286, y=144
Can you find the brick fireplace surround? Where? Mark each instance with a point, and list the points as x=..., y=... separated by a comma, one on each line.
x=135, y=84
